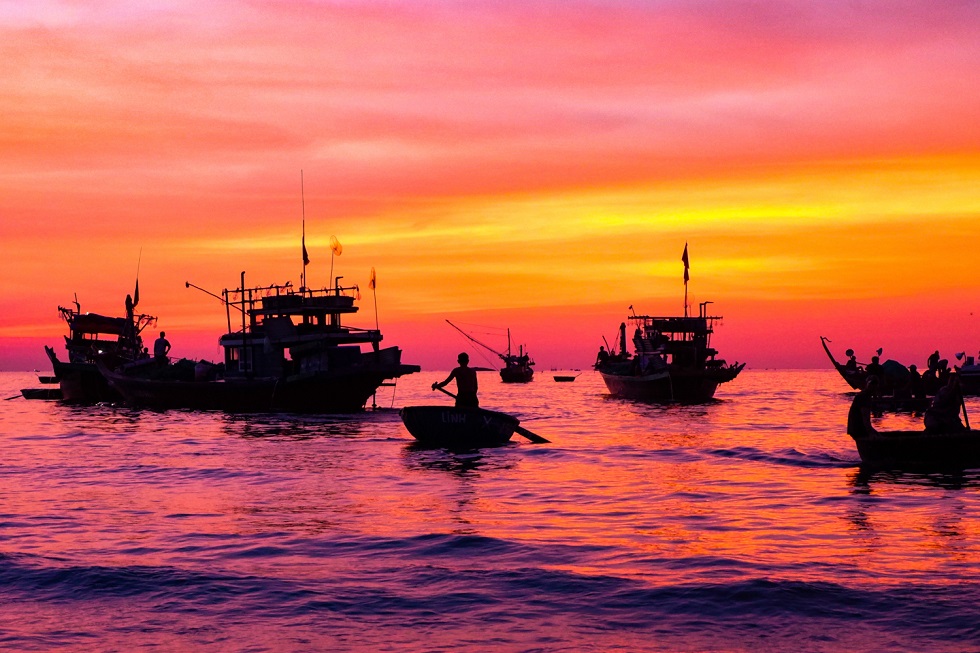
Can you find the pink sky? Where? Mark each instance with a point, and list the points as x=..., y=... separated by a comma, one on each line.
x=537, y=165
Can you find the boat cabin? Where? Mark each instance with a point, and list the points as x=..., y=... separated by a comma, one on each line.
x=680, y=341
x=285, y=332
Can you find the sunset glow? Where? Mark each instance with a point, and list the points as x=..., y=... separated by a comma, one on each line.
x=531, y=165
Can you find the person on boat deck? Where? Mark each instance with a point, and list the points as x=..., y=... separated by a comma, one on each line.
x=602, y=356
x=874, y=367
x=466, y=386
x=859, y=416
x=851, y=365
x=933, y=362
x=161, y=347
x=943, y=416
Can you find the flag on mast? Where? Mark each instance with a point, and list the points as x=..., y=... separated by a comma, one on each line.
x=306, y=256
x=373, y=283
x=687, y=265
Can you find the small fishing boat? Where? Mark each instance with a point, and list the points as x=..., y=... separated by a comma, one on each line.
x=114, y=340
x=41, y=393
x=449, y=426
x=919, y=450
x=517, y=367
x=565, y=378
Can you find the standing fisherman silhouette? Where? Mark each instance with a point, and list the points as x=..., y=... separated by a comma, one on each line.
x=466, y=386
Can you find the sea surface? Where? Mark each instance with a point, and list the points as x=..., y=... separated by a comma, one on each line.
x=743, y=525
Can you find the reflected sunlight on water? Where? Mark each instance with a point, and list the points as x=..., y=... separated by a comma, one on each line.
x=740, y=524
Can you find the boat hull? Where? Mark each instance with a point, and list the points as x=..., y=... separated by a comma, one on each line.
x=668, y=387
x=449, y=426
x=918, y=450
x=41, y=393
x=315, y=393
x=516, y=375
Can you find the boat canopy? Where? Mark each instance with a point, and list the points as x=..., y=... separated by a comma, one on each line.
x=94, y=323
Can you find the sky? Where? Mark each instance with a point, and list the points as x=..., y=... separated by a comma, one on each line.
x=531, y=165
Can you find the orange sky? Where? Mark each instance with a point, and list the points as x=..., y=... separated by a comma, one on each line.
x=537, y=165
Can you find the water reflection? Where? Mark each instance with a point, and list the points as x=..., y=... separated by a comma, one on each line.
x=865, y=479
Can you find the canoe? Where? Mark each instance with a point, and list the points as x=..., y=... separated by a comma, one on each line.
x=449, y=426
x=918, y=450
x=564, y=379
x=41, y=393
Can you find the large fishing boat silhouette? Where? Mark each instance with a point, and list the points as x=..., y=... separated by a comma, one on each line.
x=517, y=367
x=291, y=354
x=673, y=361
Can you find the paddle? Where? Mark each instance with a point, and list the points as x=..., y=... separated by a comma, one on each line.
x=530, y=435
x=965, y=417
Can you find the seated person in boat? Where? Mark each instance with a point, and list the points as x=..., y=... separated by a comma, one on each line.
x=851, y=365
x=943, y=416
x=466, y=386
x=874, y=367
x=859, y=416
x=602, y=356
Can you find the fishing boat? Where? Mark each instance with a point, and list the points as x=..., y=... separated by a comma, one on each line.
x=673, y=360
x=449, y=426
x=919, y=450
x=517, y=367
x=116, y=340
x=41, y=393
x=291, y=354
x=969, y=373
x=898, y=390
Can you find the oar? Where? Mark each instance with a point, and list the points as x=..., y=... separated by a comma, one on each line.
x=530, y=435
x=9, y=398
x=965, y=417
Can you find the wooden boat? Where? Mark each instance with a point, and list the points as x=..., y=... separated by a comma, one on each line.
x=894, y=382
x=918, y=450
x=565, y=378
x=517, y=367
x=292, y=354
x=449, y=426
x=116, y=340
x=673, y=361
x=41, y=393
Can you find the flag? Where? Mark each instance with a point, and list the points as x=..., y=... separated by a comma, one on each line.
x=306, y=256
x=136, y=294
x=373, y=283
x=687, y=264
x=335, y=246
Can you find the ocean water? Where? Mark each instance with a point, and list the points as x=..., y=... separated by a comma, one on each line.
x=743, y=525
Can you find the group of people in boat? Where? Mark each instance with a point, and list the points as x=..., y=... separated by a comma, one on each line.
x=942, y=415
x=915, y=384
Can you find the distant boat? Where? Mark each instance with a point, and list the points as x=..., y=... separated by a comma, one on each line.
x=566, y=378
x=292, y=354
x=41, y=393
x=673, y=361
x=517, y=367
